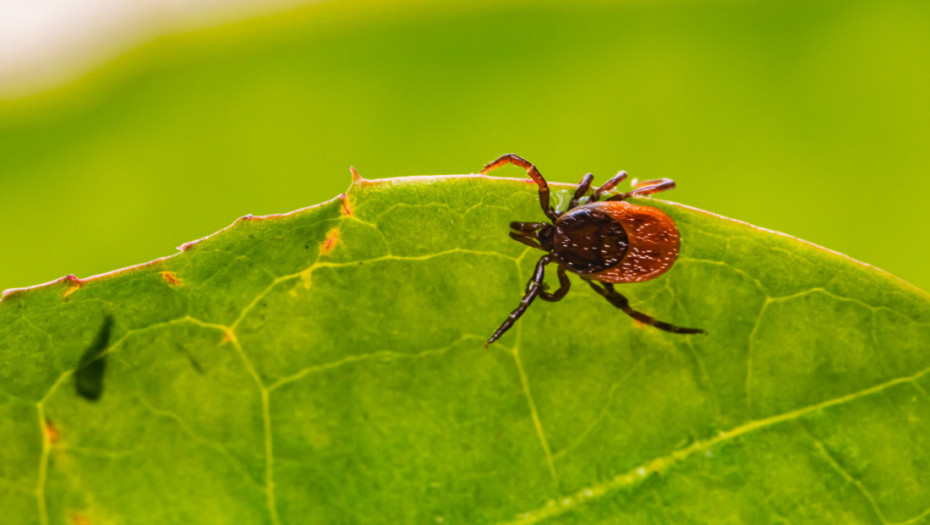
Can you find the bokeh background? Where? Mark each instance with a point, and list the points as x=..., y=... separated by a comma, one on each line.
x=811, y=118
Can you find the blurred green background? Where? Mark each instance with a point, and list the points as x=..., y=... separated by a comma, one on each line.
x=811, y=118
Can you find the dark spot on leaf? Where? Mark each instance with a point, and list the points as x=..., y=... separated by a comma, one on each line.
x=190, y=357
x=88, y=377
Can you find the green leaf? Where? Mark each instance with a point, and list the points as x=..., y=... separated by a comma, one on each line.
x=326, y=366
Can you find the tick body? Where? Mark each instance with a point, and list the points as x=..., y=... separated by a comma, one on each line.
x=603, y=242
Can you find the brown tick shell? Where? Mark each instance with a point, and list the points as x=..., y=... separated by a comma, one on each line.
x=654, y=242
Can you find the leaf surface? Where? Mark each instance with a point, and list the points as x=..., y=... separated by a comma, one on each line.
x=326, y=366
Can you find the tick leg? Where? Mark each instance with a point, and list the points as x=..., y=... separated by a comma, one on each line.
x=583, y=188
x=653, y=186
x=647, y=187
x=533, y=288
x=534, y=174
x=607, y=291
x=609, y=185
x=526, y=226
x=526, y=239
x=564, y=285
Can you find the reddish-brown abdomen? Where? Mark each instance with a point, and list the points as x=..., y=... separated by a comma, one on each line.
x=654, y=242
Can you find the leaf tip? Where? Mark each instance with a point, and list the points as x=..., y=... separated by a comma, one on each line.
x=188, y=245
x=74, y=284
x=355, y=176
x=346, y=206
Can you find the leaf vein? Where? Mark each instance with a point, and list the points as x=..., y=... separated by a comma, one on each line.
x=386, y=356
x=656, y=465
x=219, y=447
x=822, y=450
x=307, y=272
x=606, y=408
x=525, y=386
x=692, y=351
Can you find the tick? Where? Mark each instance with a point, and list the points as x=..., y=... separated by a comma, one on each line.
x=603, y=242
